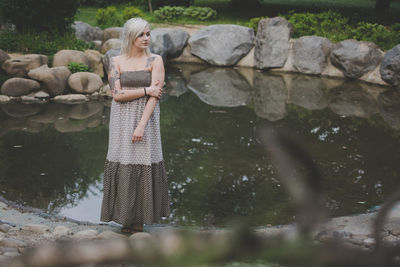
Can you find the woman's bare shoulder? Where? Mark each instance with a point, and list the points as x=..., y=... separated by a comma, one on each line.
x=152, y=58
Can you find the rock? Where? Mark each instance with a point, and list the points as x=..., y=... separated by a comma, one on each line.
x=139, y=237
x=187, y=57
x=179, y=40
x=55, y=78
x=30, y=99
x=85, y=82
x=3, y=57
x=223, y=87
x=107, y=58
x=270, y=96
x=272, y=43
x=6, y=249
x=85, y=110
x=70, y=99
x=111, y=235
x=97, y=44
x=20, y=66
x=19, y=86
x=11, y=254
x=96, y=63
x=111, y=44
x=389, y=107
x=355, y=58
x=350, y=99
x=222, y=45
x=11, y=242
x=64, y=57
x=86, y=32
x=94, y=96
x=390, y=67
x=62, y=231
x=17, y=110
x=168, y=42
x=369, y=242
x=112, y=33
x=85, y=234
x=41, y=95
x=36, y=228
x=308, y=92
x=4, y=228
x=310, y=54
x=4, y=99
x=248, y=60
x=105, y=91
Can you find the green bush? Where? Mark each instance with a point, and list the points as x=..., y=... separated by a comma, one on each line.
x=78, y=67
x=200, y=13
x=41, y=42
x=168, y=13
x=108, y=17
x=131, y=12
x=253, y=23
x=39, y=15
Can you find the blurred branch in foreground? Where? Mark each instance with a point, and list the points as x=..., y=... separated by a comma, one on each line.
x=242, y=244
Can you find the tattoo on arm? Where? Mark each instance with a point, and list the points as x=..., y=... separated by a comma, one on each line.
x=149, y=61
x=113, y=77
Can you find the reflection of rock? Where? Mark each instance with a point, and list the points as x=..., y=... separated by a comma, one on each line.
x=86, y=110
x=350, y=99
x=19, y=86
x=54, y=78
x=390, y=66
x=85, y=82
x=222, y=45
x=310, y=54
x=272, y=43
x=20, y=66
x=355, y=58
x=308, y=92
x=18, y=110
x=389, y=107
x=220, y=87
x=4, y=99
x=68, y=126
x=51, y=112
x=270, y=96
x=95, y=120
x=13, y=124
x=174, y=83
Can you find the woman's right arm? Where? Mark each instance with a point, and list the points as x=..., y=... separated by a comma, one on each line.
x=120, y=95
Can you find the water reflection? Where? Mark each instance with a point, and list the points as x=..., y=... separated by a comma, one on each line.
x=52, y=155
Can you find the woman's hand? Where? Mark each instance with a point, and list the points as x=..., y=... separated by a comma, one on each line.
x=138, y=134
x=155, y=90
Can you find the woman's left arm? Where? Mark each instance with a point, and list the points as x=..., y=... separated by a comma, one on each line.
x=157, y=78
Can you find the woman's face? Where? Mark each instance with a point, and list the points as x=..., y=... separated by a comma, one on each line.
x=143, y=40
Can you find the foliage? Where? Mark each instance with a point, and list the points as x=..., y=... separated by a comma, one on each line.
x=78, y=67
x=108, y=17
x=377, y=34
x=253, y=23
x=168, y=13
x=40, y=15
x=41, y=42
x=131, y=12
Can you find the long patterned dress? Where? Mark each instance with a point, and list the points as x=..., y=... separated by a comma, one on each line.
x=135, y=180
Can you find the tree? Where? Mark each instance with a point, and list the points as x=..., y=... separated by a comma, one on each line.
x=382, y=5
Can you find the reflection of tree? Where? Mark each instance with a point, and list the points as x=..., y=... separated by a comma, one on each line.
x=50, y=169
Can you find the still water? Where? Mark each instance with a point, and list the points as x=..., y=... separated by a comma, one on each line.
x=52, y=155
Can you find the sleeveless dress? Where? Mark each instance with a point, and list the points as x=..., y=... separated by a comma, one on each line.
x=135, y=180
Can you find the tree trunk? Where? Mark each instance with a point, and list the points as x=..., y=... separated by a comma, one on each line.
x=382, y=5
x=150, y=8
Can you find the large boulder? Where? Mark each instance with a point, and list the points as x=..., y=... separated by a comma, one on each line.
x=168, y=42
x=20, y=66
x=310, y=54
x=54, y=78
x=223, y=87
x=111, y=44
x=272, y=43
x=350, y=99
x=389, y=107
x=86, y=32
x=96, y=63
x=19, y=86
x=85, y=82
x=64, y=57
x=107, y=58
x=355, y=58
x=3, y=57
x=222, y=45
x=112, y=33
x=70, y=99
x=390, y=66
x=270, y=96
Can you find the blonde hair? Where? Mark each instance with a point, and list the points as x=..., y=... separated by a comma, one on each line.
x=131, y=30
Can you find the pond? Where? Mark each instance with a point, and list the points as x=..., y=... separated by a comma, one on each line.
x=52, y=155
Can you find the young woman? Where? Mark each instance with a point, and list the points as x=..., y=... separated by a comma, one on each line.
x=135, y=181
